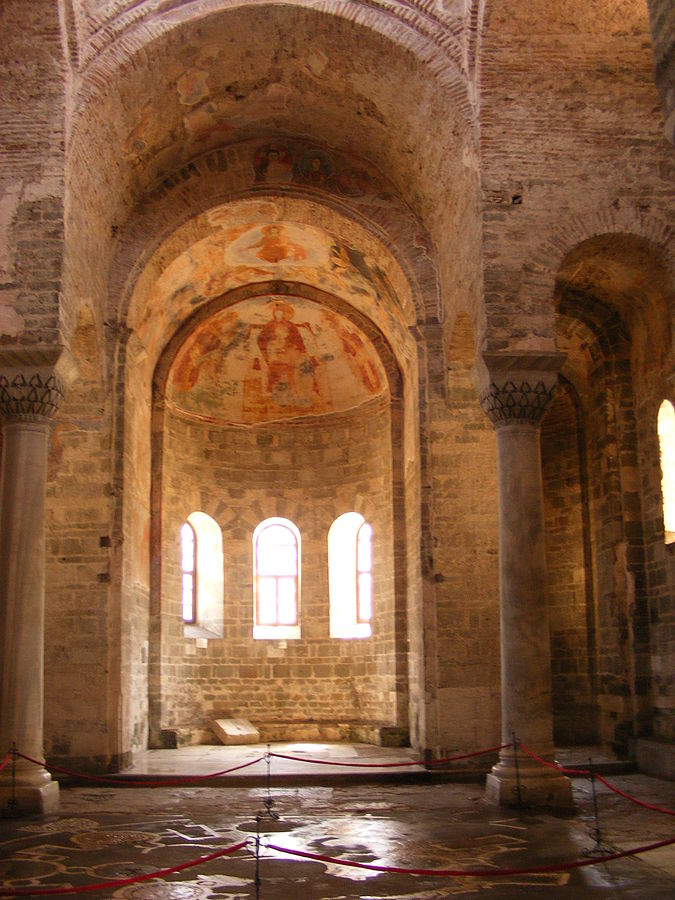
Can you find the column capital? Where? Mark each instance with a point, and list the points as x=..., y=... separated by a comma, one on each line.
x=33, y=382
x=518, y=386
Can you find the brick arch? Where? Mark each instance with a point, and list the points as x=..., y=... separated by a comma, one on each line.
x=402, y=487
x=378, y=339
x=540, y=274
x=436, y=41
x=226, y=175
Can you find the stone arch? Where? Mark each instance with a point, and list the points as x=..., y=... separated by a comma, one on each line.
x=145, y=257
x=119, y=149
x=227, y=175
x=401, y=497
x=613, y=294
x=539, y=277
x=415, y=27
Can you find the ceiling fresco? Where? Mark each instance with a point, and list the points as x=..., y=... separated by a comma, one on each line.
x=243, y=245
x=273, y=358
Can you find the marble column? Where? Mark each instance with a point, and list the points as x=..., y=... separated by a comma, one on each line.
x=519, y=389
x=28, y=400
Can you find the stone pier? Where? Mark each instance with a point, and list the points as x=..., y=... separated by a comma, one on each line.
x=28, y=401
x=519, y=391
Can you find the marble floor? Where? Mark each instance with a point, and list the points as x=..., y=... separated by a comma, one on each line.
x=115, y=833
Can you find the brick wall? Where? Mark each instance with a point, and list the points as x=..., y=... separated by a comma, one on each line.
x=309, y=473
x=78, y=621
x=460, y=554
x=570, y=586
x=662, y=17
x=32, y=125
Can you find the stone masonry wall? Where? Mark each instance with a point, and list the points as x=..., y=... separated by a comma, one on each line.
x=461, y=574
x=78, y=541
x=570, y=124
x=616, y=534
x=310, y=473
x=650, y=352
x=571, y=609
x=31, y=172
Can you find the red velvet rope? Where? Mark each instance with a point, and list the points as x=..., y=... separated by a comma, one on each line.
x=392, y=765
x=103, y=779
x=191, y=779
x=661, y=809
x=587, y=772
x=138, y=783
x=121, y=882
x=477, y=873
x=552, y=765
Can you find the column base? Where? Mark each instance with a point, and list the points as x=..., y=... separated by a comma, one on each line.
x=538, y=788
x=30, y=800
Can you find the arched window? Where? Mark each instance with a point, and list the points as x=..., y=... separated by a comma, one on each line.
x=276, y=579
x=666, y=431
x=188, y=557
x=350, y=579
x=201, y=543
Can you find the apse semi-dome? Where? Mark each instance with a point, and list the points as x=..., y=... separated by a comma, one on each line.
x=272, y=358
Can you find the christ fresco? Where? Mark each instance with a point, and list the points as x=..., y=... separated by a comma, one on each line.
x=289, y=366
x=271, y=358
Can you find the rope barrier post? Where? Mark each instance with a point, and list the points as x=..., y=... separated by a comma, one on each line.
x=598, y=847
x=516, y=788
x=13, y=803
x=269, y=802
x=257, y=857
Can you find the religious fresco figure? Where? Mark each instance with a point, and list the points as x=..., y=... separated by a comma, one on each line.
x=316, y=168
x=362, y=272
x=353, y=182
x=357, y=355
x=273, y=246
x=272, y=164
x=269, y=359
x=289, y=367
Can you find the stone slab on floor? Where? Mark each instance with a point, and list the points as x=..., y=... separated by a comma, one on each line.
x=236, y=731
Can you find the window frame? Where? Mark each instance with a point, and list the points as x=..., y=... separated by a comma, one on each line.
x=277, y=630
x=665, y=431
x=360, y=619
x=193, y=573
x=347, y=621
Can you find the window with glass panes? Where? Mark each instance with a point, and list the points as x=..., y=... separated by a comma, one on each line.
x=364, y=582
x=188, y=548
x=276, y=574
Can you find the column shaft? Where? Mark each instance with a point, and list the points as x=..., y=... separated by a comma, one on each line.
x=24, y=461
x=519, y=392
x=525, y=637
x=26, y=404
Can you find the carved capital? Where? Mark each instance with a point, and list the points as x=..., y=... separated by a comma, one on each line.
x=29, y=395
x=519, y=386
x=516, y=401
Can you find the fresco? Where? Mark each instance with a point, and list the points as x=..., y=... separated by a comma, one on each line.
x=273, y=358
x=279, y=162
x=246, y=251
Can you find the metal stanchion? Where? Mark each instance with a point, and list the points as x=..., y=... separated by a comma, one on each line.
x=268, y=814
x=598, y=848
x=13, y=804
x=257, y=858
x=269, y=802
x=517, y=788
